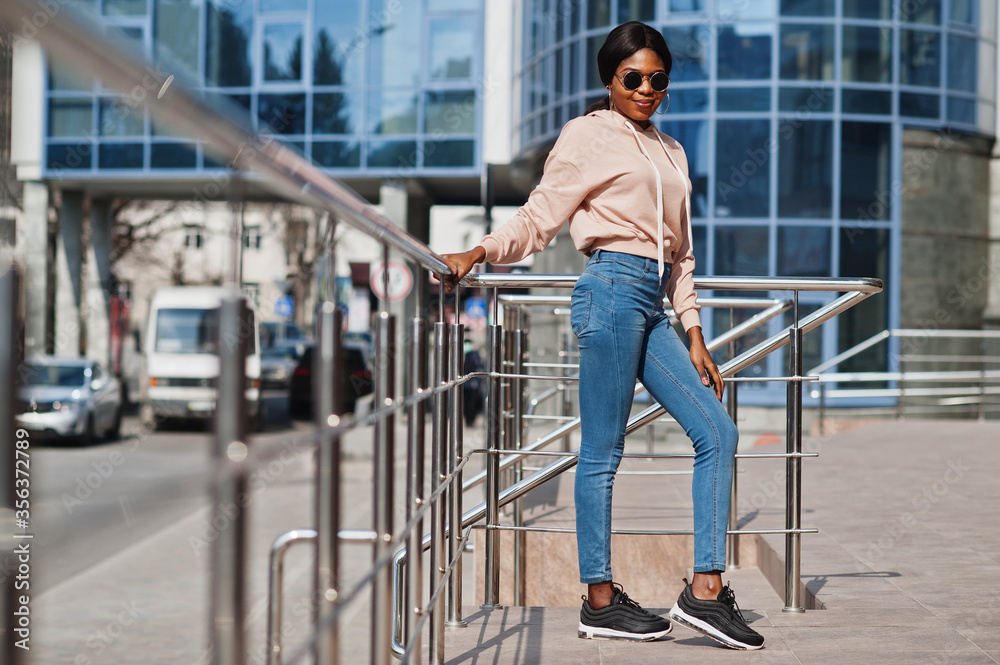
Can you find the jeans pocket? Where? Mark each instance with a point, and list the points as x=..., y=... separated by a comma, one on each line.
x=579, y=316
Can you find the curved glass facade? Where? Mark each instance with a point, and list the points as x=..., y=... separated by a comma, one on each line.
x=364, y=87
x=791, y=113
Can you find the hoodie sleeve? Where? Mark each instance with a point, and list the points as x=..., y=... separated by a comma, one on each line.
x=680, y=286
x=552, y=202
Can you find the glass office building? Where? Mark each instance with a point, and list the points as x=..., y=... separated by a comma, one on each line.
x=792, y=113
x=380, y=88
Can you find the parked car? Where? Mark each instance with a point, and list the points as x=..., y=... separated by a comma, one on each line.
x=69, y=397
x=277, y=363
x=356, y=380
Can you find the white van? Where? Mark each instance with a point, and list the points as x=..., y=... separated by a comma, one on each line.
x=181, y=358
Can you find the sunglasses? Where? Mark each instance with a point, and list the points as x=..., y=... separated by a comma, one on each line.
x=658, y=81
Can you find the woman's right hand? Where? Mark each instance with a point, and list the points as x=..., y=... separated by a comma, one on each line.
x=461, y=265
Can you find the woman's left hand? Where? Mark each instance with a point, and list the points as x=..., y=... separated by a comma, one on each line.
x=703, y=362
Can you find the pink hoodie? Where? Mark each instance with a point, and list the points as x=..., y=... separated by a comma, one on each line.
x=601, y=176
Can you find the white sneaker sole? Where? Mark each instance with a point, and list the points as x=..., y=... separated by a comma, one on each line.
x=679, y=616
x=586, y=632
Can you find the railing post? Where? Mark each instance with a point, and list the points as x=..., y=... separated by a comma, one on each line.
x=229, y=492
x=733, y=550
x=328, y=362
x=413, y=598
x=520, y=583
x=11, y=441
x=385, y=382
x=491, y=592
x=567, y=398
x=455, y=492
x=793, y=468
x=438, y=517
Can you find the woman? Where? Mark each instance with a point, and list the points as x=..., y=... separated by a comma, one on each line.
x=624, y=188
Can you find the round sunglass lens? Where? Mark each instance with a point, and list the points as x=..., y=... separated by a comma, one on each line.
x=632, y=80
x=659, y=81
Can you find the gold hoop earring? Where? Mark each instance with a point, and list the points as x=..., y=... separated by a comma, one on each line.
x=668, y=106
x=611, y=102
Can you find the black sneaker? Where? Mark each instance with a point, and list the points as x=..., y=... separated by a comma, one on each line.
x=719, y=619
x=623, y=619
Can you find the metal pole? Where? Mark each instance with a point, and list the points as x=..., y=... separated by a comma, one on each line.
x=438, y=463
x=822, y=408
x=567, y=399
x=328, y=362
x=793, y=469
x=229, y=493
x=409, y=605
x=520, y=584
x=455, y=492
x=491, y=592
x=733, y=550
x=15, y=444
x=385, y=334
x=276, y=588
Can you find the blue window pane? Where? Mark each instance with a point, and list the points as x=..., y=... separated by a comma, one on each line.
x=61, y=78
x=866, y=158
x=70, y=118
x=963, y=11
x=962, y=110
x=924, y=11
x=173, y=156
x=687, y=100
x=873, y=9
x=340, y=43
x=699, y=243
x=449, y=153
x=736, y=11
x=62, y=156
x=742, y=181
x=863, y=253
x=867, y=54
x=919, y=58
x=229, y=31
x=962, y=63
x=867, y=101
x=452, y=47
x=806, y=52
x=124, y=7
x=452, y=112
x=805, y=169
x=744, y=55
x=598, y=13
x=804, y=251
x=283, y=5
x=805, y=100
x=120, y=156
x=283, y=52
x=118, y=119
x=176, y=24
x=919, y=106
x=693, y=135
x=593, y=79
x=336, y=154
x=392, y=154
x=741, y=250
x=392, y=113
x=470, y=5
x=743, y=99
x=395, y=45
x=636, y=10
x=282, y=114
x=687, y=5
x=689, y=48
x=807, y=7
x=336, y=113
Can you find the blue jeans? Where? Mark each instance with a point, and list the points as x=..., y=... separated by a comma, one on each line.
x=624, y=335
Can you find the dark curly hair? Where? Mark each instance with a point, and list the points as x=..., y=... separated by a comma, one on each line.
x=621, y=43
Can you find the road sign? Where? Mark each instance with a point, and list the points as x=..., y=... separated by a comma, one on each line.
x=400, y=280
x=284, y=306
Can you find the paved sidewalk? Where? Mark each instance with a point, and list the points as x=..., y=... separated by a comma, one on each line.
x=907, y=562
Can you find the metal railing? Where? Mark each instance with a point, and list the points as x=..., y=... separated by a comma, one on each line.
x=971, y=390
x=436, y=501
